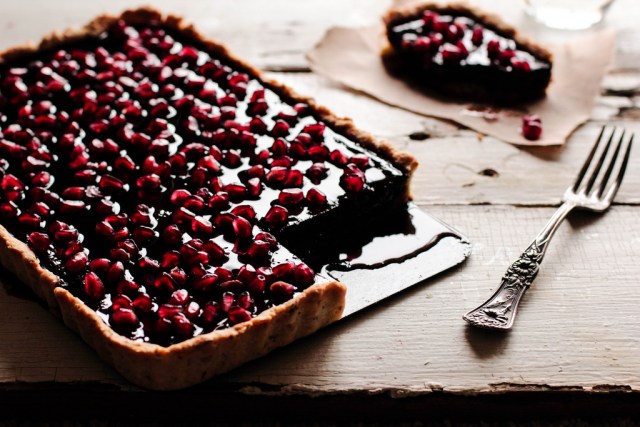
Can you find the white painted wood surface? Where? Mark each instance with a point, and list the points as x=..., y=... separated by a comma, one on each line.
x=578, y=326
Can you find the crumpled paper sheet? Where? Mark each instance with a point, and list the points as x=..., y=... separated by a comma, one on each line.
x=351, y=56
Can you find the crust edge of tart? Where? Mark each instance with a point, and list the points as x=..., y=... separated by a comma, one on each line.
x=202, y=357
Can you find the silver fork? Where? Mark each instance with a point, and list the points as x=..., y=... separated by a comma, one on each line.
x=593, y=190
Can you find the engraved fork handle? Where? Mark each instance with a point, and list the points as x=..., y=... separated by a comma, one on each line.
x=499, y=311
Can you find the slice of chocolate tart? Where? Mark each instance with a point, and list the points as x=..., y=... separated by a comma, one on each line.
x=465, y=54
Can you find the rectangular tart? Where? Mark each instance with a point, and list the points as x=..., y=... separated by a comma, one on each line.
x=152, y=186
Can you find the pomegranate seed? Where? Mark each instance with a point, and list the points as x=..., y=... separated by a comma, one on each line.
x=290, y=197
x=76, y=263
x=256, y=171
x=223, y=274
x=71, y=206
x=143, y=234
x=280, y=129
x=232, y=286
x=284, y=270
x=194, y=203
x=352, y=183
x=39, y=241
x=192, y=310
x=277, y=175
x=451, y=53
x=216, y=252
x=206, y=283
x=172, y=235
x=149, y=182
x=254, y=187
x=41, y=179
x=235, y=191
x=246, y=274
x=127, y=287
x=115, y=272
x=477, y=36
x=181, y=325
x=124, y=319
x=294, y=179
x=520, y=65
x=148, y=264
x=99, y=265
x=179, y=297
x=493, y=49
x=201, y=226
x=453, y=33
x=245, y=211
x=103, y=228
x=338, y=158
x=277, y=216
x=182, y=215
x=257, y=284
x=245, y=301
x=164, y=284
x=9, y=210
x=210, y=313
x=242, y=228
x=121, y=301
x=282, y=291
x=227, y=301
x=269, y=238
x=29, y=220
x=219, y=201
x=110, y=184
x=360, y=160
x=316, y=130
x=178, y=275
x=170, y=259
x=238, y=315
x=531, y=127
x=142, y=303
x=505, y=56
x=169, y=310
x=304, y=275
x=93, y=286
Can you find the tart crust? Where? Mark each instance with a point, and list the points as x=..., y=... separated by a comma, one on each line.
x=199, y=358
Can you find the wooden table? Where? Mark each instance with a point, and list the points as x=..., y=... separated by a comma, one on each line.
x=575, y=346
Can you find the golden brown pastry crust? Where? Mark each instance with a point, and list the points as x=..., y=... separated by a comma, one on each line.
x=489, y=20
x=199, y=358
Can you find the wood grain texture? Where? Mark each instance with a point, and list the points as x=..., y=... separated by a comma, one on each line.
x=578, y=326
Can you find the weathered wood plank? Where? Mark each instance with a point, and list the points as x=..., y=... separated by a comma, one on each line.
x=577, y=327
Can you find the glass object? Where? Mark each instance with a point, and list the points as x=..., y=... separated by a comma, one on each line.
x=568, y=14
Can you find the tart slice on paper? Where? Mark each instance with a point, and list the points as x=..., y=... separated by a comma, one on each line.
x=464, y=53
x=151, y=184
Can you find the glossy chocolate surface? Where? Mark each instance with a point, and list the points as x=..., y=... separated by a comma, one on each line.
x=156, y=181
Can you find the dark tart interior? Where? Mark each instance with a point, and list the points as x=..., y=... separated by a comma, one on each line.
x=466, y=54
x=158, y=179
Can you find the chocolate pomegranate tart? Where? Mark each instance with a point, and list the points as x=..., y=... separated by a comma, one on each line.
x=465, y=53
x=152, y=187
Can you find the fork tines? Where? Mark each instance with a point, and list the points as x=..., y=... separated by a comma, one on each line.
x=593, y=179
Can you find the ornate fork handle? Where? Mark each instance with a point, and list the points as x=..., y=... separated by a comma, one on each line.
x=499, y=311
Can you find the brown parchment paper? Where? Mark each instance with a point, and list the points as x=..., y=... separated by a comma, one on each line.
x=351, y=56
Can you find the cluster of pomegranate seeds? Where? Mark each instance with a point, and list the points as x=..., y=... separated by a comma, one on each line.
x=531, y=127
x=460, y=40
x=154, y=180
